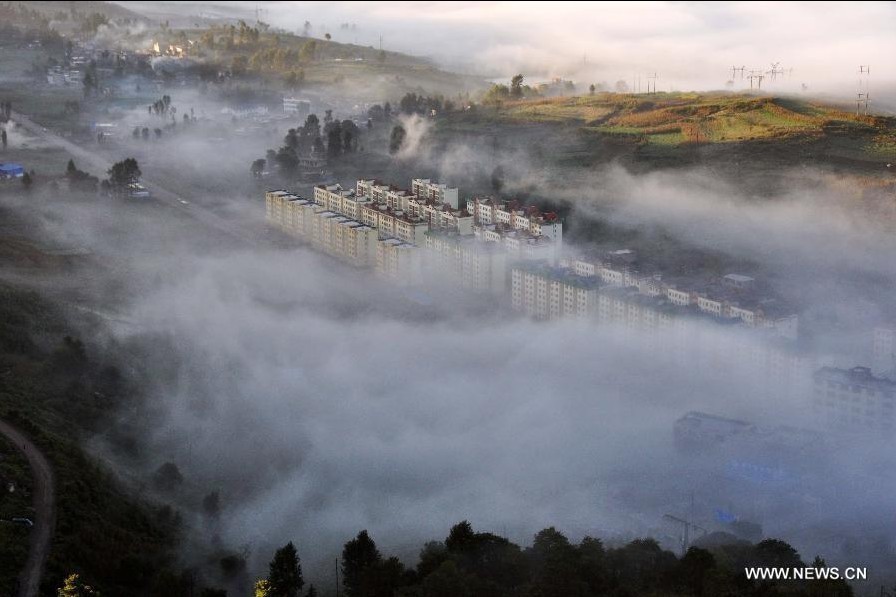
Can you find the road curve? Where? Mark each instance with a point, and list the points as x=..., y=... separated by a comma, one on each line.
x=43, y=493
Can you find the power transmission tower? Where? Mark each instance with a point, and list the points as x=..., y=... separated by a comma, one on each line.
x=776, y=70
x=652, y=77
x=737, y=69
x=863, y=93
x=686, y=526
x=756, y=75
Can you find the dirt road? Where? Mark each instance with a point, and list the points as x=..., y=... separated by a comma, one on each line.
x=44, y=493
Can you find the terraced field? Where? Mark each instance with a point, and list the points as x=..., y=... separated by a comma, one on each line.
x=681, y=118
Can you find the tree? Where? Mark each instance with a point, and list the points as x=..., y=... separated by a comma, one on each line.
x=287, y=161
x=123, y=174
x=257, y=168
x=74, y=587
x=350, y=135
x=497, y=179
x=3, y=138
x=496, y=94
x=27, y=181
x=211, y=503
x=167, y=476
x=591, y=89
x=592, y=564
x=285, y=575
x=446, y=581
x=621, y=86
x=358, y=555
x=263, y=588
x=328, y=37
x=555, y=564
x=311, y=128
x=396, y=139
x=775, y=553
x=516, y=86
x=309, y=51
x=693, y=569
x=80, y=180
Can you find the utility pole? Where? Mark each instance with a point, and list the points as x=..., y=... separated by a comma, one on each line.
x=653, y=77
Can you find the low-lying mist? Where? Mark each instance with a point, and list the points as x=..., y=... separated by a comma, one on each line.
x=319, y=400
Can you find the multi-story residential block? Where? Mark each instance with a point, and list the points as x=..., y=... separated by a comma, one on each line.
x=854, y=400
x=394, y=223
x=546, y=292
x=399, y=261
x=440, y=194
x=466, y=261
x=329, y=231
x=489, y=212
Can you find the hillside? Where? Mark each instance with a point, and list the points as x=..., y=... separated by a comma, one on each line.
x=673, y=126
x=299, y=61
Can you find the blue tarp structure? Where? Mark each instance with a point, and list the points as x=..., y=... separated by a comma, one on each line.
x=10, y=170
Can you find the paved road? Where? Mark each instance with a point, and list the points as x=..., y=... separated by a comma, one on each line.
x=44, y=493
x=99, y=164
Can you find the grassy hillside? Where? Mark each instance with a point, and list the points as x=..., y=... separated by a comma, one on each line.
x=672, y=126
x=297, y=61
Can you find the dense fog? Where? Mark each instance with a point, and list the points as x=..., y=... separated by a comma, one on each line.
x=319, y=400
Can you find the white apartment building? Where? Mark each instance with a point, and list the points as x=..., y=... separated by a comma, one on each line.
x=394, y=223
x=488, y=212
x=399, y=261
x=328, y=231
x=854, y=400
x=545, y=292
x=470, y=263
x=440, y=194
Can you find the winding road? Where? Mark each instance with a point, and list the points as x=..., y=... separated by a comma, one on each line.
x=44, y=493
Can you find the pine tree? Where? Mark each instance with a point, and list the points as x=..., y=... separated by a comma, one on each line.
x=358, y=554
x=285, y=575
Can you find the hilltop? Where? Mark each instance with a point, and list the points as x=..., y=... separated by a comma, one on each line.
x=670, y=127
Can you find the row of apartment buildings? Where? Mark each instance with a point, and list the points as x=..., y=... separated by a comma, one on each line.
x=667, y=331
x=733, y=297
x=404, y=233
